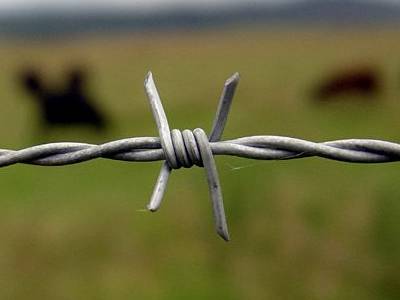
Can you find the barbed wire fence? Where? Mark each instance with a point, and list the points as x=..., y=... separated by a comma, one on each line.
x=193, y=147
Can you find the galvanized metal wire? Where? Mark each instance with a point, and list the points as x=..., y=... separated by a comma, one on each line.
x=187, y=148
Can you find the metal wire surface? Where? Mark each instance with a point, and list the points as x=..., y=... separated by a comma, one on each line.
x=187, y=148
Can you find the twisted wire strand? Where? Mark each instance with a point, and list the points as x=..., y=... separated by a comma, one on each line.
x=187, y=148
x=147, y=149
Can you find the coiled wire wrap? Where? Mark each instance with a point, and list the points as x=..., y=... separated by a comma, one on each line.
x=187, y=148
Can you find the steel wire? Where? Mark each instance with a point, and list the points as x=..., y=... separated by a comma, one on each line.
x=146, y=149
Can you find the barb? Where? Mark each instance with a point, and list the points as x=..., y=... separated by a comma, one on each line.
x=187, y=148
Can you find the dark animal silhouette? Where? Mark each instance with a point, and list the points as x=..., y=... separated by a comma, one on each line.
x=66, y=106
x=362, y=81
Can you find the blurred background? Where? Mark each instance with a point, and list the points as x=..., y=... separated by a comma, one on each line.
x=303, y=229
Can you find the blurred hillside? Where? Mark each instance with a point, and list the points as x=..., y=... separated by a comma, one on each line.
x=55, y=23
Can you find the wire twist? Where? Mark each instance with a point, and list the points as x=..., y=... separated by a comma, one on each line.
x=187, y=148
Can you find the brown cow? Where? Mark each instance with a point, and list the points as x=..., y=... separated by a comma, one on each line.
x=361, y=81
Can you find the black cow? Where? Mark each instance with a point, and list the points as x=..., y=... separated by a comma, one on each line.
x=65, y=106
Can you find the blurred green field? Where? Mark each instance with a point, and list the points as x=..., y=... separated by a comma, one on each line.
x=301, y=229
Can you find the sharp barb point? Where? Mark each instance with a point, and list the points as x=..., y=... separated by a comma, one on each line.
x=149, y=76
x=224, y=235
x=233, y=79
x=151, y=209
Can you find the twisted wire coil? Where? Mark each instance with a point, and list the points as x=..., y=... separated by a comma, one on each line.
x=187, y=148
x=146, y=149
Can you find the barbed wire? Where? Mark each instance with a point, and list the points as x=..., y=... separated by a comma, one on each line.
x=187, y=148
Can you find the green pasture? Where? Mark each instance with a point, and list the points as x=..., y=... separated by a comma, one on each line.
x=300, y=229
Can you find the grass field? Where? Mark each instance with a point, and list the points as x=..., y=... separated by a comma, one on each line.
x=301, y=229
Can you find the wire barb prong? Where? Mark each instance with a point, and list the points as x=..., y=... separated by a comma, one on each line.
x=224, y=106
x=165, y=139
x=213, y=183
